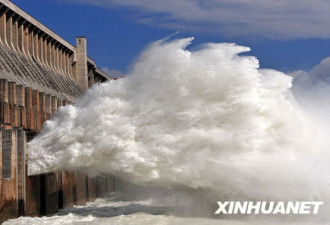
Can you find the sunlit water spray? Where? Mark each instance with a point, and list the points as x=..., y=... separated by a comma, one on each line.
x=207, y=119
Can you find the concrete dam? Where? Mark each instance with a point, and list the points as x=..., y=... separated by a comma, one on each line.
x=39, y=72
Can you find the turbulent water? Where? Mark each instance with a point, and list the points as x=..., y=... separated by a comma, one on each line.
x=117, y=212
x=205, y=124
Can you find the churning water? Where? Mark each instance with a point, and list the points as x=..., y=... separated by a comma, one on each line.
x=107, y=211
x=205, y=124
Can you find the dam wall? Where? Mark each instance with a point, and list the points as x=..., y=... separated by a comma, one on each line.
x=39, y=73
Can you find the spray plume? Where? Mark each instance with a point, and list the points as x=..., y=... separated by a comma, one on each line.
x=206, y=119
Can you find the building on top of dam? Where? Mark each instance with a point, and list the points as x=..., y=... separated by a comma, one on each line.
x=39, y=72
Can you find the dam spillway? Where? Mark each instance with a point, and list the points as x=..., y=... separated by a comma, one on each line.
x=39, y=73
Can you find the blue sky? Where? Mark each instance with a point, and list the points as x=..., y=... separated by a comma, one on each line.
x=285, y=35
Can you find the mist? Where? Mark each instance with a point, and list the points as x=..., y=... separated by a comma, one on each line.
x=206, y=122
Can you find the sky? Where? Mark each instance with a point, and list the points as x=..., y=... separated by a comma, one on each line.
x=287, y=35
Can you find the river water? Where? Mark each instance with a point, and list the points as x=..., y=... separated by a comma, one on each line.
x=112, y=210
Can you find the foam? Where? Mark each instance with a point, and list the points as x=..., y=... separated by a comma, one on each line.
x=205, y=119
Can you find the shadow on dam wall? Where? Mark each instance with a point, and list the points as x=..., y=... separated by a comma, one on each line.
x=47, y=193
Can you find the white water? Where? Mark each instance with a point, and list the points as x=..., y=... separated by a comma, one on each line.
x=107, y=211
x=206, y=122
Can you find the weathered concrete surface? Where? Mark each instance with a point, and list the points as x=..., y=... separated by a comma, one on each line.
x=28, y=109
x=80, y=189
x=39, y=72
x=35, y=109
x=12, y=99
x=4, y=112
x=59, y=189
x=9, y=191
x=32, y=203
x=30, y=19
x=4, y=90
x=68, y=182
x=91, y=189
x=42, y=108
x=1, y=195
x=21, y=170
x=51, y=194
x=82, y=67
